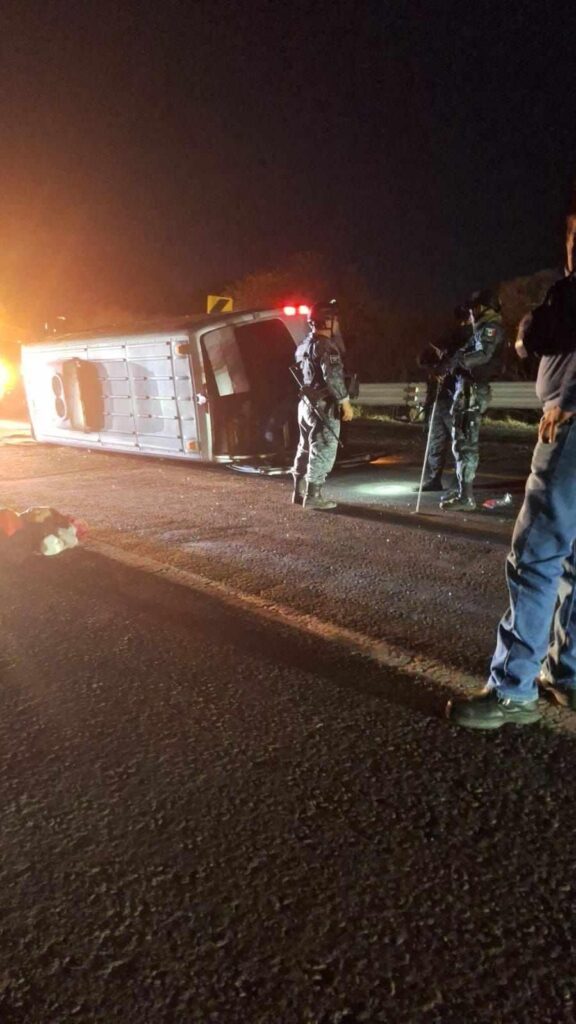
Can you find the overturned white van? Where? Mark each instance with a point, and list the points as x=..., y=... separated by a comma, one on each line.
x=216, y=389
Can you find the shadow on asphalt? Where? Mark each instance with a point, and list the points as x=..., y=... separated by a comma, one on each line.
x=173, y=607
x=169, y=607
x=472, y=527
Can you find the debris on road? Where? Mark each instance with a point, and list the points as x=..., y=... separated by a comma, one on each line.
x=504, y=502
x=39, y=530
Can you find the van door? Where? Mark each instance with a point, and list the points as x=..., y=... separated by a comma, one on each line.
x=227, y=393
x=267, y=348
x=251, y=394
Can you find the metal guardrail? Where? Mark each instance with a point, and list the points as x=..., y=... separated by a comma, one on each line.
x=505, y=394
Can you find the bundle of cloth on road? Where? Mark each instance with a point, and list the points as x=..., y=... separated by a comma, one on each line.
x=40, y=530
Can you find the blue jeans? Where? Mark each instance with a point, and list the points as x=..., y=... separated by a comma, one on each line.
x=540, y=624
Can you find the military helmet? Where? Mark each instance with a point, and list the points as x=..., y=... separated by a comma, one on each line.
x=485, y=297
x=323, y=314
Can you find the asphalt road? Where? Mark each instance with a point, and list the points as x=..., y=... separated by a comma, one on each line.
x=228, y=791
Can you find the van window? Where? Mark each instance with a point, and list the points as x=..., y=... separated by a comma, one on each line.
x=227, y=366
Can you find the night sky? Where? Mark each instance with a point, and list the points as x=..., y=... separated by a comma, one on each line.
x=152, y=151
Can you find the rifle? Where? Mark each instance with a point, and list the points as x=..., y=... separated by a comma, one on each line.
x=304, y=393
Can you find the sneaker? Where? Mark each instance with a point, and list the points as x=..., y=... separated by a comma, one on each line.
x=486, y=710
x=562, y=694
x=457, y=503
x=567, y=695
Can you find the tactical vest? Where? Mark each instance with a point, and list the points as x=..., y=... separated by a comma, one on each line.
x=308, y=359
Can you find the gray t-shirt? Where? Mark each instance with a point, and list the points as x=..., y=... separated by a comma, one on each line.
x=556, y=381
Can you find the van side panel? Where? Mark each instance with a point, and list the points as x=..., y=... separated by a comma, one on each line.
x=146, y=395
x=150, y=390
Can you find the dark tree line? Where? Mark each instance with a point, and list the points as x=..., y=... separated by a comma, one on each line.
x=383, y=340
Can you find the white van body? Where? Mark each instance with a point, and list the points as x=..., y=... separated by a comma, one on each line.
x=209, y=388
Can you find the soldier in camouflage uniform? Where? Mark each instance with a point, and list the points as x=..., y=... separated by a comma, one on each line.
x=440, y=397
x=324, y=401
x=473, y=366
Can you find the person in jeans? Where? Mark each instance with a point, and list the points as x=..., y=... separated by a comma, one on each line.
x=536, y=639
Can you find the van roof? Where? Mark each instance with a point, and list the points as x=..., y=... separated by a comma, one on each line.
x=164, y=325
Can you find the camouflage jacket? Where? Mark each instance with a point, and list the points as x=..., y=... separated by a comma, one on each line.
x=321, y=366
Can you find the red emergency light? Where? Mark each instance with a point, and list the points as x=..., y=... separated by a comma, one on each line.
x=294, y=310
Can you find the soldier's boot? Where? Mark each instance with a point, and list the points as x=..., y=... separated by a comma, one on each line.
x=464, y=501
x=299, y=489
x=314, y=498
x=433, y=483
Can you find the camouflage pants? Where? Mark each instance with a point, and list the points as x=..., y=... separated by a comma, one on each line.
x=440, y=438
x=470, y=403
x=318, y=444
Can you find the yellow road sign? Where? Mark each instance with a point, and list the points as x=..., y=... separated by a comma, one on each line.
x=219, y=304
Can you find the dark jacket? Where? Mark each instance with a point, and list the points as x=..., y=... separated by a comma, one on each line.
x=321, y=366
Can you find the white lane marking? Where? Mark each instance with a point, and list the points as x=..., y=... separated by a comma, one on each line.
x=379, y=650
